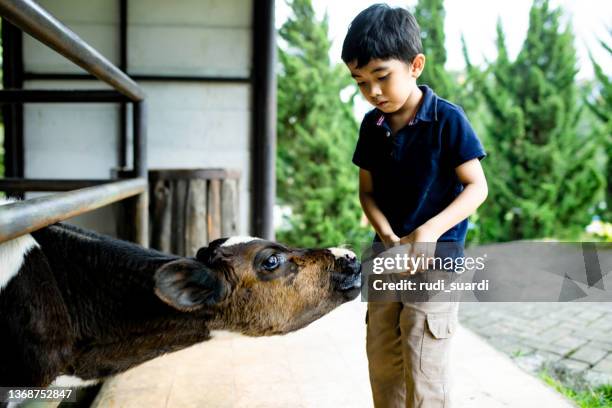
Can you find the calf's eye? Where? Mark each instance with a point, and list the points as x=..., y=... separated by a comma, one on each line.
x=272, y=262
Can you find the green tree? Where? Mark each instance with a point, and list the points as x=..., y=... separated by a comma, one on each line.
x=430, y=15
x=601, y=106
x=543, y=180
x=317, y=133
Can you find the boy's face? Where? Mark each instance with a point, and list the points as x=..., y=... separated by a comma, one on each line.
x=387, y=84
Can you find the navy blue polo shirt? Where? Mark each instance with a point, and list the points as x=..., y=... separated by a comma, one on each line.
x=413, y=172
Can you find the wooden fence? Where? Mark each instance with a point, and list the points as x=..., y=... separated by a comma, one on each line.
x=190, y=208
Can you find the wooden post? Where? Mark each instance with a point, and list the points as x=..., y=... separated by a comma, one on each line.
x=196, y=233
x=214, y=209
x=229, y=207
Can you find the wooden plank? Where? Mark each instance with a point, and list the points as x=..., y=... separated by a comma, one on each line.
x=161, y=216
x=214, y=209
x=196, y=232
x=182, y=174
x=178, y=216
x=229, y=208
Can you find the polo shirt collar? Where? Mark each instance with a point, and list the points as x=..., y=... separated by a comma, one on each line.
x=428, y=111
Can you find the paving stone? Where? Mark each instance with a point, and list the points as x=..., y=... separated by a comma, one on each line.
x=601, y=325
x=602, y=337
x=596, y=378
x=545, y=346
x=574, y=365
x=530, y=363
x=604, y=365
x=589, y=315
x=589, y=354
x=547, y=356
x=579, y=335
x=602, y=345
x=554, y=334
x=569, y=344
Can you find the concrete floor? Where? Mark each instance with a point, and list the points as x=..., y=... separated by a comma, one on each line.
x=323, y=365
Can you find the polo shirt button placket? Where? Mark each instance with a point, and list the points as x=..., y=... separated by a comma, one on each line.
x=388, y=135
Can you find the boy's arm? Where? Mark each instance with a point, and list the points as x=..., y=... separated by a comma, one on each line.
x=475, y=191
x=371, y=210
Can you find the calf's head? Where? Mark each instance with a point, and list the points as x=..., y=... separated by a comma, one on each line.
x=259, y=287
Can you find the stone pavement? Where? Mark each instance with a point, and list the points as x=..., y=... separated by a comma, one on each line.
x=323, y=365
x=576, y=335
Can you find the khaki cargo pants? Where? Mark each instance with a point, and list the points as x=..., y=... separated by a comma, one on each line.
x=408, y=347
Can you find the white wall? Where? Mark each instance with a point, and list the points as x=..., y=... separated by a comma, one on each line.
x=190, y=37
x=190, y=124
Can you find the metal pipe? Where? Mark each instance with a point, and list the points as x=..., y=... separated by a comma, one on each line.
x=142, y=77
x=9, y=96
x=140, y=139
x=17, y=184
x=22, y=217
x=12, y=69
x=40, y=24
x=123, y=60
x=141, y=214
x=264, y=119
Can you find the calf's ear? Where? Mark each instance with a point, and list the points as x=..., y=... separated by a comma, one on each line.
x=189, y=285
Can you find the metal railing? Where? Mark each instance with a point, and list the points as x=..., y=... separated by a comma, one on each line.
x=19, y=218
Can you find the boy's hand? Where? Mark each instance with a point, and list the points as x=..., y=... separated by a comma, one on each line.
x=390, y=239
x=422, y=242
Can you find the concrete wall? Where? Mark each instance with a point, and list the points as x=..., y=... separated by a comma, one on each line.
x=191, y=124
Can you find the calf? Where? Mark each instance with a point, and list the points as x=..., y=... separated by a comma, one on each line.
x=76, y=306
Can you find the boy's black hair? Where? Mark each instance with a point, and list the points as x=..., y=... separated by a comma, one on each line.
x=382, y=32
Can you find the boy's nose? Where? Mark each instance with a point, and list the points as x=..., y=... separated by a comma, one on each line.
x=375, y=91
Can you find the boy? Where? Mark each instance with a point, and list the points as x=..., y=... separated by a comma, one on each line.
x=420, y=178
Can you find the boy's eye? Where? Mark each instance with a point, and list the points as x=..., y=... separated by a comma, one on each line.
x=360, y=83
x=382, y=78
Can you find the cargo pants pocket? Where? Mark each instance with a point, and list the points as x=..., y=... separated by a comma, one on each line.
x=435, y=347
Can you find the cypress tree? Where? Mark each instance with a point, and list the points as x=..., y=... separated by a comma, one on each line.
x=430, y=15
x=543, y=180
x=601, y=106
x=317, y=133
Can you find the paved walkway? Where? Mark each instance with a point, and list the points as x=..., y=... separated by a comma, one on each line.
x=323, y=365
x=576, y=335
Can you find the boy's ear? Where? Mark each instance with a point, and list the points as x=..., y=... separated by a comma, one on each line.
x=418, y=65
x=189, y=285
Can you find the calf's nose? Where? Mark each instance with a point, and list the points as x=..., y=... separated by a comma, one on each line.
x=347, y=277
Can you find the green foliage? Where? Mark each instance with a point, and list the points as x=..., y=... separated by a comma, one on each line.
x=1, y=150
x=316, y=137
x=543, y=180
x=430, y=16
x=597, y=397
x=601, y=106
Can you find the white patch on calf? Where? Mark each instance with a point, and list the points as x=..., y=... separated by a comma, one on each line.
x=12, y=254
x=238, y=240
x=72, y=381
x=342, y=253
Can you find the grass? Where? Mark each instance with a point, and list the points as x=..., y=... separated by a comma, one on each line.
x=575, y=386
x=598, y=397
